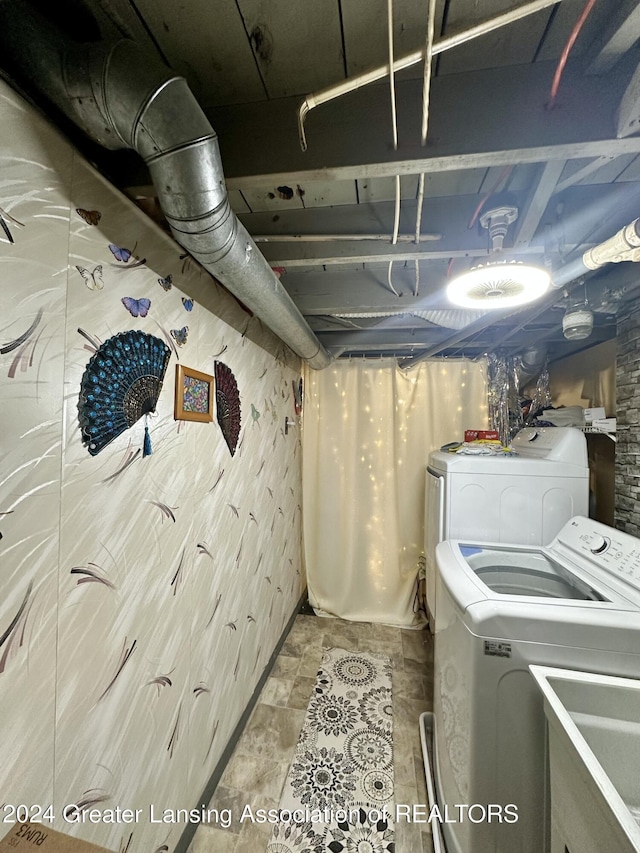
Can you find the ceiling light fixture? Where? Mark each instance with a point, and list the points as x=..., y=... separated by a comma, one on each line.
x=499, y=285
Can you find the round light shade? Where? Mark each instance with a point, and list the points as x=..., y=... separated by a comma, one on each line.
x=577, y=323
x=501, y=285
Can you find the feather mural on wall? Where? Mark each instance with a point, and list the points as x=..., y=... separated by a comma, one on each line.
x=92, y=573
x=5, y=218
x=14, y=636
x=99, y=707
x=125, y=655
x=24, y=338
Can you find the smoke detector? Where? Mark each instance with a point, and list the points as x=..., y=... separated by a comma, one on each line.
x=498, y=285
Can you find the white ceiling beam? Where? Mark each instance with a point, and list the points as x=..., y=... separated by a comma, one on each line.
x=307, y=256
x=477, y=120
x=536, y=204
x=453, y=162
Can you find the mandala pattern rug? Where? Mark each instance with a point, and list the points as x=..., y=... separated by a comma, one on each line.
x=338, y=795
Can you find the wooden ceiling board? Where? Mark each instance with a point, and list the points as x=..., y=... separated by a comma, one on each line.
x=297, y=44
x=366, y=33
x=384, y=189
x=238, y=202
x=210, y=50
x=562, y=23
x=346, y=267
x=437, y=185
x=120, y=14
x=632, y=172
x=272, y=199
x=619, y=32
x=591, y=214
x=609, y=172
x=311, y=194
x=328, y=193
x=522, y=177
x=514, y=44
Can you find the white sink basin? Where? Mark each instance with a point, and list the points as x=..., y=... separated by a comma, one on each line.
x=594, y=756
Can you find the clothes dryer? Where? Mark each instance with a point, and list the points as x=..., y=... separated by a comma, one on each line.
x=523, y=498
x=575, y=605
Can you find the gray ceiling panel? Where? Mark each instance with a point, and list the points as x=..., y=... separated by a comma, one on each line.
x=207, y=43
x=297, y=44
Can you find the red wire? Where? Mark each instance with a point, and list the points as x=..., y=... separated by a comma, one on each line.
x=575, y=32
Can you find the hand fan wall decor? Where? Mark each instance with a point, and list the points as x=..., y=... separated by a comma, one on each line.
x=227, y=404
x=121, y=383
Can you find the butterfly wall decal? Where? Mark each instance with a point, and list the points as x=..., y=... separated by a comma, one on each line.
x=93, y=280
x=166, y=283
x=180, y=335
x=120, y=254
x=136, y=307
x=91, y=217
x=188, y=303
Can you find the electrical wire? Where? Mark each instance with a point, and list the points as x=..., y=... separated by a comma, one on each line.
x=392, y=75
x=575, y=32
x=394, y=122
x=426, y=89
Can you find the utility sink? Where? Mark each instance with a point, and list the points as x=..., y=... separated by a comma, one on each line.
x=594, y=758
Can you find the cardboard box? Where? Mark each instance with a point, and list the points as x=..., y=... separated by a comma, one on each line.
x=29, y=837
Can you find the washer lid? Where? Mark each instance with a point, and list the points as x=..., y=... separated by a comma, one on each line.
x=529, y=573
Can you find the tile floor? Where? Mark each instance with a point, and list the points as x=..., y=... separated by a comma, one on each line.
x=258, y=767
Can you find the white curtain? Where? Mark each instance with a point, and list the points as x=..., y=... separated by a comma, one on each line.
x=368, y=429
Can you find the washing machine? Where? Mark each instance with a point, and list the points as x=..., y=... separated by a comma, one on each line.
x=523, y=498
x=574, y=604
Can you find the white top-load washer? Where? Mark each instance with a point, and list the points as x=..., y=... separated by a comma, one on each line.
x=523, y=498
x=575, y=605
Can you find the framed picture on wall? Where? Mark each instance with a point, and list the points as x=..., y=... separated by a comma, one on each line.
x=194, y=395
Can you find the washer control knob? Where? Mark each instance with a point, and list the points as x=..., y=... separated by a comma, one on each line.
x=599, y=545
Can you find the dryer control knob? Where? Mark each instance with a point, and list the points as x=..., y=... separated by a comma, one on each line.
x=599, y=545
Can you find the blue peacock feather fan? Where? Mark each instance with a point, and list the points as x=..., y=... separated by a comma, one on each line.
x=122, y=383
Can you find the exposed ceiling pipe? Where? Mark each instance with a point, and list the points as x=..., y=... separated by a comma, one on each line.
x=623, y=246
x=373, y=75
x=123, y=98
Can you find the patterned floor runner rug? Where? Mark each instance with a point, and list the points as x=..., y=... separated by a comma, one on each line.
x=338, y=795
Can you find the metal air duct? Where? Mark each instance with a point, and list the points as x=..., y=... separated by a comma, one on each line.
x=124, y=98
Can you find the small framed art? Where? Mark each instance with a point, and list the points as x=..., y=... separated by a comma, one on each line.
x=194, y=395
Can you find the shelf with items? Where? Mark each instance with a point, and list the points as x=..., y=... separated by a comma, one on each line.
x=591, y=430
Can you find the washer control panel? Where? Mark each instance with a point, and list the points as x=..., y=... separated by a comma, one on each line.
x=617, y=552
